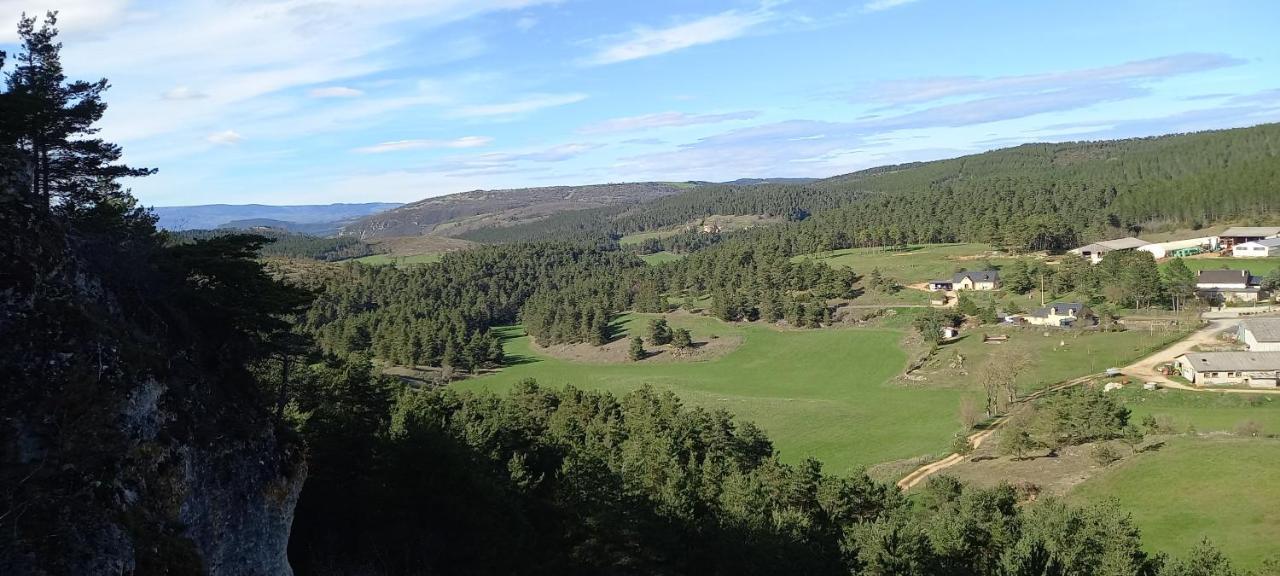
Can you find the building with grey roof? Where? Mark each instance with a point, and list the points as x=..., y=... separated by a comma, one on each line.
x=1260, y=334
x=1252, y=369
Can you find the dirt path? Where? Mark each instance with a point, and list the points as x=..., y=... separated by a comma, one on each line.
x=977, y=438
x=1143, y=370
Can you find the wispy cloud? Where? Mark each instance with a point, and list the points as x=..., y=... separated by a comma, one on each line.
x=526, y=23
x=878, y=5
x=662, y=120
x=335, y=92
x=507, y=162
x=917, y=90
x=183, y=93
x=403, y=145
x=643, y=42
x=531, y=103
x=225, y=138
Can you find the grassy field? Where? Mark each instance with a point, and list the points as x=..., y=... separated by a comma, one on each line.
x=1061, y=355
x=818, y=393
x=383, y=259
x=1222, y=488
x=1255, y=266
x=1203, y=411
x=639, y=237
x=915, y=263
x=661, y=257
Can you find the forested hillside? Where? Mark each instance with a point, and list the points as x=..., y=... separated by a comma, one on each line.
x=495, y=208
x=1035, y=196
x=285, y=244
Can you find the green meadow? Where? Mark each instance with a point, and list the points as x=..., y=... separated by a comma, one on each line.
x=1203, y=411
x=916, y=263
x=1191, y=488
x=660, y=257
x=824, y=393
x=383, y=259
x=1255, y=266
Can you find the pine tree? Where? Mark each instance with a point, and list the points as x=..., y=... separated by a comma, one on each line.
x=637, y=351
x=681, y=339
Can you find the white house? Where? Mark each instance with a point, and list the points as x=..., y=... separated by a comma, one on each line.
x=1094, y=252
x=1260, y=334
x=1059, y=314
x=1257, y=248
x=970, y=280
x=1219, y=286
x=1253, y=369
x=1166, y=249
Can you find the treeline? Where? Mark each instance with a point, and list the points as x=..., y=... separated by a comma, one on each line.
x=285, y=244
x=576, y=482
x=441, y=314
x=1032, y=197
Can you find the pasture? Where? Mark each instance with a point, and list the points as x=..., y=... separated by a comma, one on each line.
x=825, y=394
x=1203, y=411
x=384, y=259
x=916, y=263
x=660, y=257
x=1191, y=488
x=1255, y=266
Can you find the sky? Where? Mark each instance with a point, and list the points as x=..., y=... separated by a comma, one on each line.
x=320, y=101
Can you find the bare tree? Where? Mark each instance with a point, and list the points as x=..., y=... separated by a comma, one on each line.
x=999, y=377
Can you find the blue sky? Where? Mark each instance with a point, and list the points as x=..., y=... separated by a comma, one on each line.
x=317, y=101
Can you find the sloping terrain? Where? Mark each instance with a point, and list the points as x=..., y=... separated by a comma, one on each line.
x=455, y=214
x=314, y=216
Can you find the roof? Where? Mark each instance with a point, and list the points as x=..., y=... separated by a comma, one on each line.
x=1117, y=244
x=1250, y=231
x=976, y=276
x=1243, y=361
x=1268, y=242
x=1264, y=329
x=1060, y=308
x=1223, y=277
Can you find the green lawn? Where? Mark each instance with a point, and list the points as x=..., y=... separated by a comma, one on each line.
x=1204, y=411
x=639, y=237
x=661, y=257
x=383, y=259
x=1222, y=488
x=1062, y=355
x=818, y=393
x=914, y=264
x=1255, y=266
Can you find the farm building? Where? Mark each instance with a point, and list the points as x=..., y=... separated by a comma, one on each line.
x=1257, y=249
x=1253, y=369
x=971, y=280
x=1059, y=314
x=1230, y=237
x=1180, y=248
x=1094, y=252
x=1219, y=286
x=1260, y=334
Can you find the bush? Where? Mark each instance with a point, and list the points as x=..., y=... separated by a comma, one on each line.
x=961, y=445
x=1250, y=428
x=1104, y=454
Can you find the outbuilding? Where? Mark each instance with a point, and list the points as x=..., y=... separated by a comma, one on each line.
x=1260, y=334
x=1252, y=369
x=1257, y=249
x=1230, y=237
x=1094, y=252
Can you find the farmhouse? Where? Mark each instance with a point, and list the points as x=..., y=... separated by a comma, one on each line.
x=1094, y=252
x=1059, y=314
x=1219, y=286
x=1253, y=369
x=1241, y=234
x=1257, y=249
x=972, y=280
x=1180, y=248
x=1260, y=334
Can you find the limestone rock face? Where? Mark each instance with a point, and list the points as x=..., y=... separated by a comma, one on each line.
x=126, y=447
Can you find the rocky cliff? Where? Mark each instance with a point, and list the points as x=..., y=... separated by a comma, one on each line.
x=130, y=443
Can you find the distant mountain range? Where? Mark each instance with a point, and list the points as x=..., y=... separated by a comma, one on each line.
x=319, y=219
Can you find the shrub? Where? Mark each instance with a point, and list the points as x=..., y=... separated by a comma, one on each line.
x=1104, y=454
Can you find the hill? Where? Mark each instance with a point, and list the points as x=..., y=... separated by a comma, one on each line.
x=1042, y=196
x=310, y=218
x=455, y=214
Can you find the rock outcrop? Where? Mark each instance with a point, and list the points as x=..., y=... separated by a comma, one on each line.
x=125, y=446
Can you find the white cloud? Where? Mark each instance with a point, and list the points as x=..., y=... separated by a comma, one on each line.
x=402, y=145
x=643, y=42
x=526, y=23
x=531, y=103
x=662, y=120
x=183, y=93
x=225, y=137
x=878, y=5
x=335, y=92
x=75, y=17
